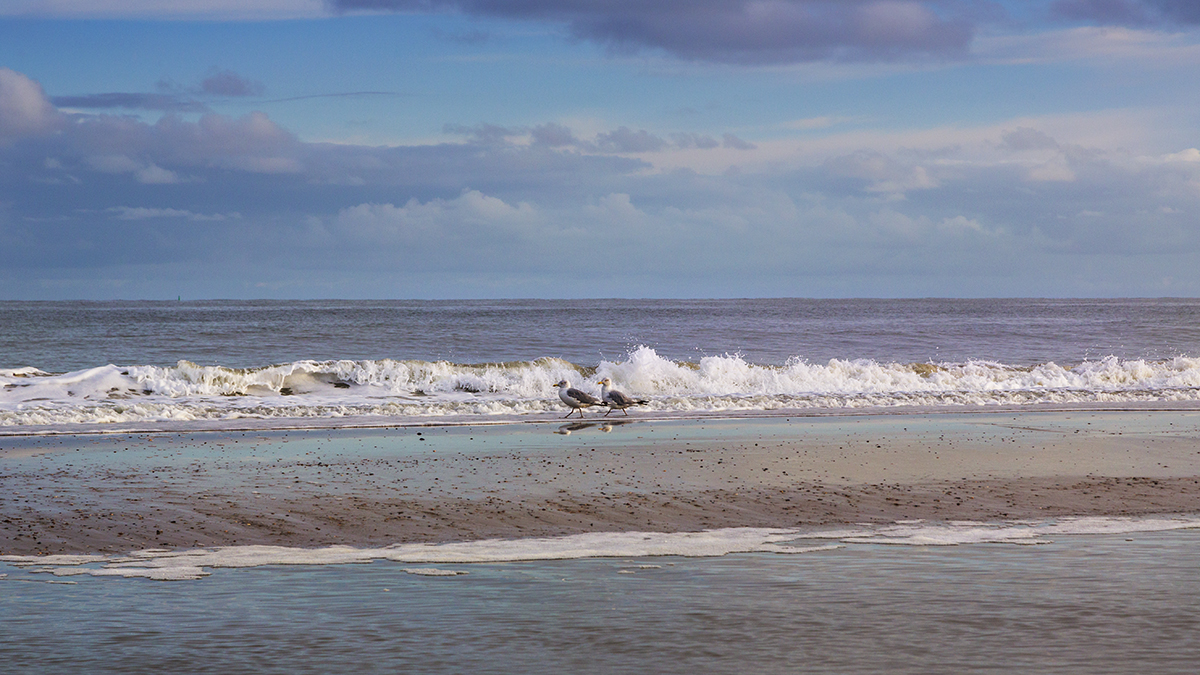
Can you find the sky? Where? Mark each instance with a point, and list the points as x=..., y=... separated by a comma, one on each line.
x=157, y=149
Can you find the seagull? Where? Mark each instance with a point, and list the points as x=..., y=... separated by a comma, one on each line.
x=614, y=399
x=575, y=399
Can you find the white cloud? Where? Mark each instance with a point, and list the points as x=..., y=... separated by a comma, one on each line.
x=1109, y=44
x=1189, y=155
x=24, y=109
x=615, y=207
x=146, y=213
x=170, y=149
x=147, y=174
x=470, y=215
x=1029, y=141
x=156, y=175
x=885, y=174
x=962, y=225
x=114, y=163
x=811, y=123
x=1057, y=169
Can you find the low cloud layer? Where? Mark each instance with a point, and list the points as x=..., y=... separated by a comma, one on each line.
x=621, y=140
x=130, y=101
x=170, y=97
x=229, y=83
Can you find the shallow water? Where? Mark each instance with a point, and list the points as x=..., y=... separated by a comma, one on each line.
x=1125, y=603
x=852, y=449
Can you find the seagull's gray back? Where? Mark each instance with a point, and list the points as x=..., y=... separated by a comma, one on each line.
x=582, y=397
x=619, y=398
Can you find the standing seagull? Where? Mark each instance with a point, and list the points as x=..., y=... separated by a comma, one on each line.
x=575, y=399
x=614, y=399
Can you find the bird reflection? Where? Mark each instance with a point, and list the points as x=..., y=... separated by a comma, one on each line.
x=606, y=427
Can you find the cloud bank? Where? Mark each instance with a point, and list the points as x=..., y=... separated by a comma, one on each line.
x=103, y=205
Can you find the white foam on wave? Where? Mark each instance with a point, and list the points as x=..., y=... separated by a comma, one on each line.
x=194, y=564
x=956, y=533
x=433, y=572
x=387, y=388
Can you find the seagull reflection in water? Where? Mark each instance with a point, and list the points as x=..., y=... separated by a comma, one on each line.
x=606, y=427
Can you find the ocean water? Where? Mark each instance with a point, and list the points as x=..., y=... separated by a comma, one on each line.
x=1080, y=597
x=69, y=363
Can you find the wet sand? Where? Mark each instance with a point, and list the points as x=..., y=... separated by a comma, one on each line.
x=113, y=493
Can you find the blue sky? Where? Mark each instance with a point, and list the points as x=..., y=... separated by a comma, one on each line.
x=598, y=148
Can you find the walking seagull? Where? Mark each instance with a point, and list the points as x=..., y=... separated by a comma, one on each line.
x=614, y=399
x=575, y=399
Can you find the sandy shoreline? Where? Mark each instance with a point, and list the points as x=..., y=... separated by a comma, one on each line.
x=114, y=492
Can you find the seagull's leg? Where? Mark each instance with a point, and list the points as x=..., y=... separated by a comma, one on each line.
x=610, y=409
x=625, y=411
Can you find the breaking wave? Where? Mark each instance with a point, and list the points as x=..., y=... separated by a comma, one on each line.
x=396, y=388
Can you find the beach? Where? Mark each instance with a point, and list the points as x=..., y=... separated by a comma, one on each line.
x=179, y=488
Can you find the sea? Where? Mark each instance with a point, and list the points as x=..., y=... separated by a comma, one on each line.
x=1065, y=595
x=72, y=363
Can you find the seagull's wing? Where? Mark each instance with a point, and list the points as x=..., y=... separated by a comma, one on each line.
x=583, y=397
x=619, y=399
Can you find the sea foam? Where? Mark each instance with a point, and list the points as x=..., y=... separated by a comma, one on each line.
x=165, y=565
x=396, y=388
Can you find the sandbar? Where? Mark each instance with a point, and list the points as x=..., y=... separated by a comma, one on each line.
x=311, y=487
